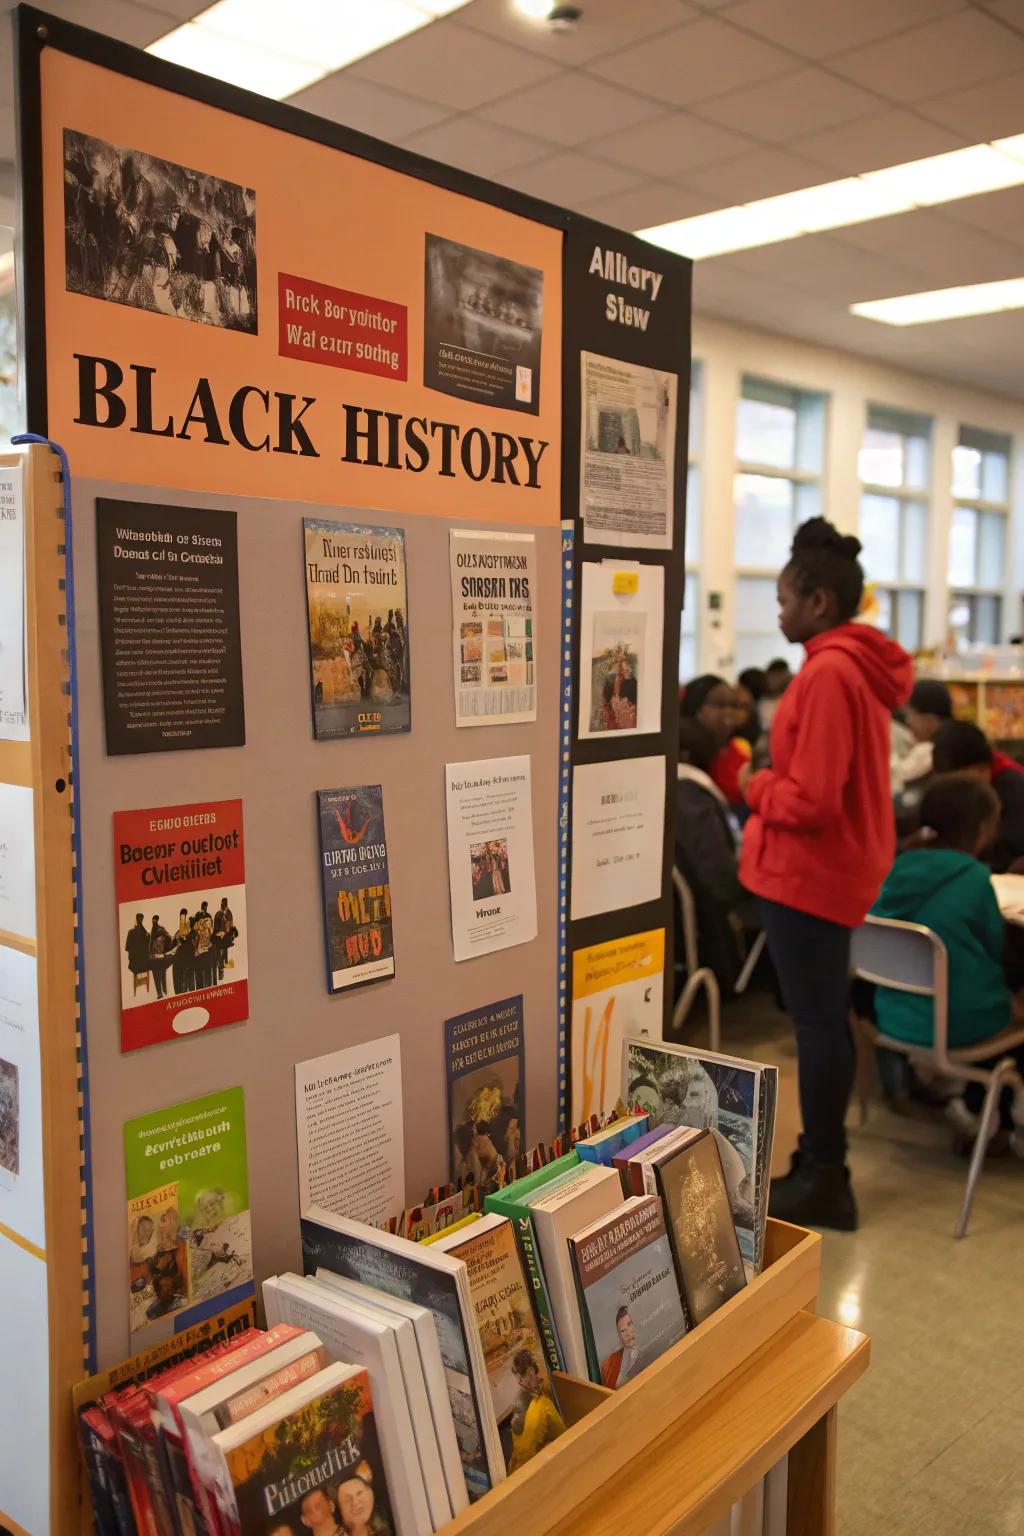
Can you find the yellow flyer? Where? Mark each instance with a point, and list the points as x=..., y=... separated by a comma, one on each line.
x=617, y=990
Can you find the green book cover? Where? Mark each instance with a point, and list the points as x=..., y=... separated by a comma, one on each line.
x=189, y=1238
x=510, y=1202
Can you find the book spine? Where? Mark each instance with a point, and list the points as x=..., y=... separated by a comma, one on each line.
x=522, y=1224
x=93, y=1455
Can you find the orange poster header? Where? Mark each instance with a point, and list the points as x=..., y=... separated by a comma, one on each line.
x=233, y=308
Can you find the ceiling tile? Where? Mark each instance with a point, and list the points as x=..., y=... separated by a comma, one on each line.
x=668, y=145
x=993, y=110
x=870, y=143
x=569, y=179
x=658, y=202
x=698, y=60
x=452, y=65
x=816, y=29
x=822, y=264
x=138, y=24
x=909, y=232
x=473, y=145
x=368, y=108
x=955, y=51
x=1001, y=213
x=760, y=173
x=607, y=25
x=570, y=109
x=1010, y=11
x=792, y=104
x=961, y=255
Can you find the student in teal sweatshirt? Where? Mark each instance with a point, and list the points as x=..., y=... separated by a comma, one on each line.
x=942, y=884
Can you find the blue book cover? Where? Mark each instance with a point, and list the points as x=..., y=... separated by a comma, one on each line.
x=484, y=1065
x=356, y=887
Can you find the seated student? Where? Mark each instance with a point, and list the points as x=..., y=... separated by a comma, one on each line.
x=960, y=747
x=707, y=857
x=751, y=688
x=711, y=701
x=777, y=676
x=942, y=884
x=929, y=707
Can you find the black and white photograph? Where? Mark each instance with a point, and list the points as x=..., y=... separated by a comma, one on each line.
x=9, y=1120
x=482, y=326
x=154, y=235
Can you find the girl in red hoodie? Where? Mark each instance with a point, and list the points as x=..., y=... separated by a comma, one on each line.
x=820, y=842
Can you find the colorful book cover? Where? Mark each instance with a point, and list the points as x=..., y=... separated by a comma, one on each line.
x=521, y=1388
x=617, y=990
x=179, y=878
x=189, y=1239
x=677, y=1086
x=485, y=1070
x=358, y=613
x=708, y=1259
x=356, y=887
x=627, y=1284
x=318, y=1468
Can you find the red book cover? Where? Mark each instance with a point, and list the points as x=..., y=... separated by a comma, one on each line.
x=179, y=878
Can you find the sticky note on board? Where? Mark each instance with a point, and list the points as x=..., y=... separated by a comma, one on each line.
x=626, y=583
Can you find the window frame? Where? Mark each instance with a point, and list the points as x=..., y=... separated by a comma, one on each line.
x=975, y=593
x=909, y=427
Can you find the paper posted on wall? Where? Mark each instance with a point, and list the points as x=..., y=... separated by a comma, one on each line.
x=345, y=1103
x=490, y=855
x=13, y=680
x=494, y=638
x=621, y=630
x=618, y=828
x=627, y=453
x=617, y=990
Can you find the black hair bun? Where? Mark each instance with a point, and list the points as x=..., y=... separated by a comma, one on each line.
x=819, y=534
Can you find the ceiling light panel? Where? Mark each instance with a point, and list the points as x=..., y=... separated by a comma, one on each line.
x=237, y=62
x=944, y=178
x=945, y=303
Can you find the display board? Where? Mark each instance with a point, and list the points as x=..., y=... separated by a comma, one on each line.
x=352, y=436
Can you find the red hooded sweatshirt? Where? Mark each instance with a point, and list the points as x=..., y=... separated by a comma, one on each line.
x=822, y=834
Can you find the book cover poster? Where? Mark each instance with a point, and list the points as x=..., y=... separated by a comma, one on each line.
x=627, y=453
x=483, y=320
x=358, y=612
x=486, y=1072
x=630, y=1293
x=617, y=990
x=356, y=886
x=690, y=1088
x=21, y=1101
x=179, y=878
x=521, y=1389
x=170, y=634
x=622, y=621
x=317, y=1469
x=494, y=630
x=490, y=855
x=187, y=1183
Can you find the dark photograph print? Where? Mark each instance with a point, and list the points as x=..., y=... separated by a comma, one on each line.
x=482, y=328
x=9, y=1122
x=155, y=235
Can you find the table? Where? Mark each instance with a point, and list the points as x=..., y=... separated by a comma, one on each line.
x=1009, y=891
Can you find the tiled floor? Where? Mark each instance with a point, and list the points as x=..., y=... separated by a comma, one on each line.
x=931, y=1439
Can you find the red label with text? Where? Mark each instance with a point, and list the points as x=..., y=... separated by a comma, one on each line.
x=321, y=324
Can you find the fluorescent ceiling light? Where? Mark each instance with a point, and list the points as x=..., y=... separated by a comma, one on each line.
x=537, y=10
x=244, y=42
x=945, y=303
x=853, y=200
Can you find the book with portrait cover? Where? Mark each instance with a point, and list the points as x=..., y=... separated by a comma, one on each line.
x=629, y=1298
x=358, y=613
x=356, y=886
x=709, y=1264
x=310, y=1456
x=484, y=1066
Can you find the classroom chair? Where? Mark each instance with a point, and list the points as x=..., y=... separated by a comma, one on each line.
x=698, y=977
x=911, y=958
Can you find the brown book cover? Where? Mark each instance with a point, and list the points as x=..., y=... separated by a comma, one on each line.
x=700, y=1225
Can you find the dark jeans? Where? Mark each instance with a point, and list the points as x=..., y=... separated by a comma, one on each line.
x=812, y=962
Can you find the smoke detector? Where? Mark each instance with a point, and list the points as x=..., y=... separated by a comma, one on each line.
x=561, y=18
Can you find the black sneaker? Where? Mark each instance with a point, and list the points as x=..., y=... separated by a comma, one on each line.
x=813, y=1195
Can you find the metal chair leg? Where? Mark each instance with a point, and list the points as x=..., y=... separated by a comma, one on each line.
x=753, y=956
x=706, y=979
x=991, y=1106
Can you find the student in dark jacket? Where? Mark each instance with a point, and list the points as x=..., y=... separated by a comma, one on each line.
x=820, y=841
x=707, y=856
x=961, y=747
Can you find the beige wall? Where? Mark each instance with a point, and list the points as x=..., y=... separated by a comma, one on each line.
x=725, y=352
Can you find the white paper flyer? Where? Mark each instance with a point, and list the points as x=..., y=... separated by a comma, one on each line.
x=13, y=679
x=17, y=862
x=494, y=636
x=21, y=1104
x=622, y=619
x=618, y=831
x=627, y=453
x=348, y=1105
x=490, y=855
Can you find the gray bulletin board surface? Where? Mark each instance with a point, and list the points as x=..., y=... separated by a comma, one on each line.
x=276, y=774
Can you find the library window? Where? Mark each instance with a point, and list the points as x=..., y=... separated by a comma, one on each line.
x=780, y=451
x=688, y=637
x=978, y=536
x=893, y=466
